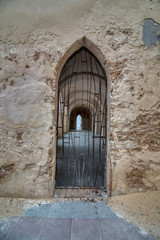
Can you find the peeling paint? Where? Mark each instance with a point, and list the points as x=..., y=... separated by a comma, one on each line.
x=151, y=32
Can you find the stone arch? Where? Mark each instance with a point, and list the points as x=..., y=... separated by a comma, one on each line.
x=86, y=117
x=85, y=42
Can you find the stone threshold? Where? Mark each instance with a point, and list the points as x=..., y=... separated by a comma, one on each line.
x=80, y=193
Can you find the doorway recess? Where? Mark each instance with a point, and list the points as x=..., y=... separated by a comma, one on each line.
x=82, y=123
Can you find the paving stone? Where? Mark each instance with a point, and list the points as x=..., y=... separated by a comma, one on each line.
x=84, y=210
x=37, y=211
x=63, y=193
x=104, y=211
x=57, y=193
x=85, y=229
x=56, y=229
x=75, y=193
x=28, y=228
x=137, y=232
x=61, y=210
x=7, y=226
x=120, y=229
x=69, y=193
x=81, y=193
x=86, y=224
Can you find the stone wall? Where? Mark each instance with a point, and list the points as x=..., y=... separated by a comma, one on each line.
x=35, y=40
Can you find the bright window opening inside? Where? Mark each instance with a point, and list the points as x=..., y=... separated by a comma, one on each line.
x=79, y=123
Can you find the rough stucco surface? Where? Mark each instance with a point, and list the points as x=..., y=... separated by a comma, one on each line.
x=33, y=39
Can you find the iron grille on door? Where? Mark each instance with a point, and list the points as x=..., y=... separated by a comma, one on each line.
x=81, y=146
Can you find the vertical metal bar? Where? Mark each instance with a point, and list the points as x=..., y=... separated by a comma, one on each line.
x=106, y=120
x=63, y=149
x=57, y=137
x=76, y=80
x=93, y=145
x=88, y=102
x=61, y=111
x=87, y=77
x=74, y=154
x=79, y=175
x=88, y=135
x=74, y=169
x=99, y=159
x=82, y=77
x=68, y=163
x=104, y=116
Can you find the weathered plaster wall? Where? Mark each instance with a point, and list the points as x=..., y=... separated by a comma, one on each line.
x=34, y=35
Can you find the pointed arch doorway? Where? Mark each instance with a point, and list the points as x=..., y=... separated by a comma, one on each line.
x=82, y=101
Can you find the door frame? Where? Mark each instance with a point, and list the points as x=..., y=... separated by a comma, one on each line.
x=102, y=59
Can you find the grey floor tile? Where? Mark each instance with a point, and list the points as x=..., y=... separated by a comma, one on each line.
x=120, y=229
x=104, y=211
x=37, y=211
x=56, y=229
x=85, y=229
x=136, y=232
x=61, y=210
x=84, y=210
x=27, y=229
x=6, y=226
